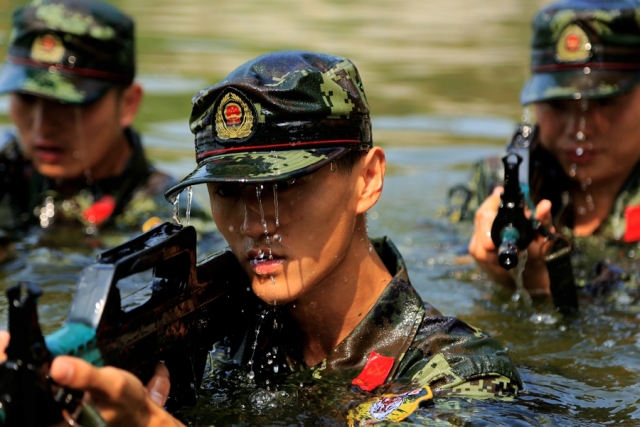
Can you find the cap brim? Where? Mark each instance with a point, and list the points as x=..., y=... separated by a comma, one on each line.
x=258, y=167
x=56, y=85
x=583, y=83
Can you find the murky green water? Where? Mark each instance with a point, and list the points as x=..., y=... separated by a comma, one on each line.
x=443, y=79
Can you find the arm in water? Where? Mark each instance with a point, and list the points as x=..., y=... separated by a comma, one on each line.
x=181, y=319
x=509, y=230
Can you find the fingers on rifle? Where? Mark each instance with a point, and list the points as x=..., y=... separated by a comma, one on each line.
x=4, y=342
x=483, y=221
x=159, y=385
x=106, y=384
x=543, y=213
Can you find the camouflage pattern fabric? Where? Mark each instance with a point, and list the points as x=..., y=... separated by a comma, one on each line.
x=71, y=51
x=402, y=346
x=125, y=202
x=281, y=115
x=615, y=243
x=584, y=49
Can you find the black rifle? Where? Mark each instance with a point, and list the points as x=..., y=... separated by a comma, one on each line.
x=512, y=231
x=191, y=307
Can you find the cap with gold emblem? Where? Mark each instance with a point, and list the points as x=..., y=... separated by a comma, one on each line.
x=279, y=116
x=71, y=51
x=584, y=49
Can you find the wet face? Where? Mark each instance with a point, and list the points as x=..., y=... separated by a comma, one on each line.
x=291, y=241
x=597, y=142
x=72, y=142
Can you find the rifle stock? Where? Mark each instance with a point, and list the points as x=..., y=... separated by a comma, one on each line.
x=188, y=311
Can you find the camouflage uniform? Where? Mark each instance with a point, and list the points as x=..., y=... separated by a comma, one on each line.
x=402, y=345
x=285, y=115
x=73, y=52
x=581, y=49
x=125, y=201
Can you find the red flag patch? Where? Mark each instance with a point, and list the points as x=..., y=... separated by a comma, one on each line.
x=375, y=371
x=100, y=210
x=632, y=217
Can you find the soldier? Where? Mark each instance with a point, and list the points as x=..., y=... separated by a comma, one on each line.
x=585, y=170
x=284, y=146
x=75, y=159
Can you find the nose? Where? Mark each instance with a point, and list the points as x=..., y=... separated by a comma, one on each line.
x=580, y=122
x=259, y=211
x=47, y=115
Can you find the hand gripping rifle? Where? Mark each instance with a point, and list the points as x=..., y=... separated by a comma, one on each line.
x=189, y=310
x=512, y=231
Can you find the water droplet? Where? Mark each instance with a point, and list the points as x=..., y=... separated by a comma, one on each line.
x=580, y=136
x=277, y=238
x=251, y=375
x=273, y=281
x=275, y=368
x=579, y=151
x=275, y=203
x=189, y=198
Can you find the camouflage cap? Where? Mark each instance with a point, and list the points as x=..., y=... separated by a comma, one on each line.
x=279, y=116
x=584, y=49
x=71, y=51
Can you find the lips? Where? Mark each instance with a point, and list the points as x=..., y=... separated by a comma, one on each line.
x=48, y=153
x=264, y=262
x=580, y=155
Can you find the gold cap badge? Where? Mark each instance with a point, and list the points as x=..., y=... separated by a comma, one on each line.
x=47, y=48
x=573, y=45
x=234, y=118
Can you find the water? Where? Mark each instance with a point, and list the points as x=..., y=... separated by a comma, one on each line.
x=443, y=79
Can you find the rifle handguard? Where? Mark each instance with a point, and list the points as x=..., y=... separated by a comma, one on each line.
x=511, y=231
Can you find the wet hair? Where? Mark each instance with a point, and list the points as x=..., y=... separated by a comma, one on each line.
x=346, y=163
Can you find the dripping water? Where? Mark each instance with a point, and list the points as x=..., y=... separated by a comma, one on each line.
x=176, y=209
x=521, y=293
x=189, y=198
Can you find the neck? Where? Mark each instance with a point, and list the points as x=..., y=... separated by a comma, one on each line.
x=333, y=309
x=592, y=206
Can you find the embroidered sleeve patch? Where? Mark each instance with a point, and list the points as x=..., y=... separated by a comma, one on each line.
x=375, y=371
x=632, y=217
x=388, y=408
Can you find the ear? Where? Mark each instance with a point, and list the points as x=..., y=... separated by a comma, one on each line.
x=371, y=178
x=130, y=101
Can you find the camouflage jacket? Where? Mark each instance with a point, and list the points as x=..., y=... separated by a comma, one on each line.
x=124, y=202
x=613, y=246
x=403, y=346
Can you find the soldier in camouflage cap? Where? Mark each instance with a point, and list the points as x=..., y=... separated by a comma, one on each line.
x=584, y=162
x=284, y=146
x=74, y=160
x=255, y=126
x=584, y=49
x=72, y=51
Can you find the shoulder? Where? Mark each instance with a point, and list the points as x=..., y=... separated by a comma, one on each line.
x=9, y=147
x=453, y=357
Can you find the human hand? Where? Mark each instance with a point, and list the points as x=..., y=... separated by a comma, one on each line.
x=483, y=250
x=119, y=396
x=4, y=342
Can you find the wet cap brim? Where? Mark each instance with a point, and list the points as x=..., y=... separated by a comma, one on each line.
x=56, y=85
x=258, y=167
x=582, y=83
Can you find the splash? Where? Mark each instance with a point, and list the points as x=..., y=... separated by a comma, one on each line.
x=275, y=203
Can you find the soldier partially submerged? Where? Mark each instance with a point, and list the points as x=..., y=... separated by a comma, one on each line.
x=284, y=146
x=75, y=158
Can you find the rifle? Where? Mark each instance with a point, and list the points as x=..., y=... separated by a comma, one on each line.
x=178, y=324
x=512, y=231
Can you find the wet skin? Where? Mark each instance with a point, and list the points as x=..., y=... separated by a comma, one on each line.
x=317, y=215
x=322, y=265
x=611, y=129
x=76, y=142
